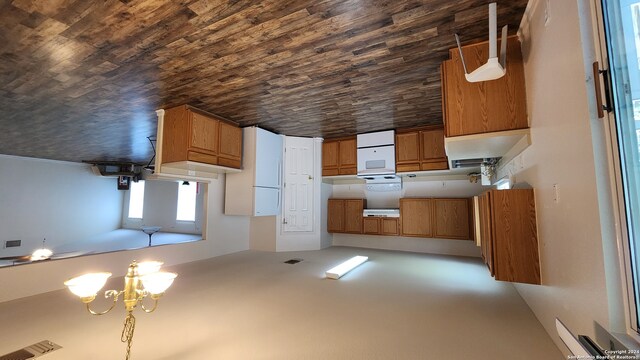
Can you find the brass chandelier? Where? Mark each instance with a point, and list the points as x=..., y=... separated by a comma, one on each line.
x=142, y=280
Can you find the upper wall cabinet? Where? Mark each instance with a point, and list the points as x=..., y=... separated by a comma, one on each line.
x=230, y=145
x=420, y=150
x=339, y=157
x=483, y=107
x=190, y=136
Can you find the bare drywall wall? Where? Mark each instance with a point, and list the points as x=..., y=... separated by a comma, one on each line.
x=63, y=202
x=224, y=235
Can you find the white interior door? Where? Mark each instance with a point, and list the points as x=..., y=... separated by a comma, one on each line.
x=298, y=184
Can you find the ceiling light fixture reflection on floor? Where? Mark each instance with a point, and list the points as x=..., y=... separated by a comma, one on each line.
x=142, y=280
x=338, y=271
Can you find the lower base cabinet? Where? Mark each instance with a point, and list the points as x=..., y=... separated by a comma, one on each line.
x=345, y=215
x=448, y=218
x=508, y=235
x=380, y=226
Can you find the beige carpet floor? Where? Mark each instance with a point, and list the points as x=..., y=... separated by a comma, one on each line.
x=250, y=305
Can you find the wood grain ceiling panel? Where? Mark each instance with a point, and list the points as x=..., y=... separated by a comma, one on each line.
x=81, y=79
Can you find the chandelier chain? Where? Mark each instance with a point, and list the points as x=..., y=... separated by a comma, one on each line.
x=127, y=332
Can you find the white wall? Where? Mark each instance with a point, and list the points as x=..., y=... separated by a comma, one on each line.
x=160, y=208
x=326, y=193
x=569, y=231
x=224, y=235
x=419, y=187
x=63, y=202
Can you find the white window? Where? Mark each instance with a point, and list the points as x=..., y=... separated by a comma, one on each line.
x=503, y=184
x=187, y=201
x=622, y=22
x=136, y=199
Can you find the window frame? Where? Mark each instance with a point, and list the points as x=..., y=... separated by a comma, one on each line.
x=195, y=203
x=615, y=172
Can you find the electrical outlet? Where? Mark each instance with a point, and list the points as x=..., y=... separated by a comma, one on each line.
x=556, y=193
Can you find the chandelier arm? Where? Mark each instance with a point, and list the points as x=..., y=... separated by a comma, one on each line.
x=109, y=293
x=155, y=305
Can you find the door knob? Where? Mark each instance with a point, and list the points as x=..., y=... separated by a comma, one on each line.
x=310, y=177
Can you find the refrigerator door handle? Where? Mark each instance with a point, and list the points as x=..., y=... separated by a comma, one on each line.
x=280, y=173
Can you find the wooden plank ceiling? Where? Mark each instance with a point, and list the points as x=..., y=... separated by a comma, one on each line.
x=81, y=79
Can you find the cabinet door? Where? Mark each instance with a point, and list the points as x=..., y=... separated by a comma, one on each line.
x=347, y=157
x=497, y=105
x=371, y=225
x=353, y=215
x=415, y=215
x=451, y=219
x=432, y=145
x=204, y=134
x=330, y=150
x=390, y=226
x=335, y=216
x=484, y=206
x=515, y=239
x=432, y=154
x=230, y=148
x=407, y=148
x=175, y=140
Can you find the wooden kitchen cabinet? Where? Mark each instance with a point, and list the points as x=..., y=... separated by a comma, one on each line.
x=509, y=235
x=193, y=135
x=451, y=219
x=371, y=225
x=230, y=148
x=345, y=215
x=415, y=217
x=390, y=226
x=484, y=212
x=339, y=157
x=488, y=106
x=420, y=150
x=335, y=215
x=374, y=225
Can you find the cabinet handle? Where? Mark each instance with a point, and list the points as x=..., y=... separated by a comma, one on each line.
x=607, y=92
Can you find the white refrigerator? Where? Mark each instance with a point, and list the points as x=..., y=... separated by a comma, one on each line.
x=268, y=174
x=256, y=190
